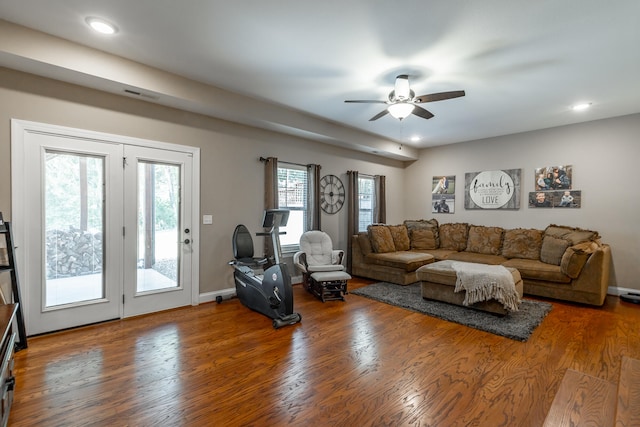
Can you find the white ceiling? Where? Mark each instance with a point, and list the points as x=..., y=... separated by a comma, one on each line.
x=521, y=63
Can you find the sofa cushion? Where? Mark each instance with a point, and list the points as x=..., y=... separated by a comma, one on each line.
x=484, y=240
x=572, y=234
x=537, y=270
x=365, y=243
x=424, y=224
x=381, y=239
x=553, y=249
x=454, y=236
x=423, y=239
x=476, y=257
x=400, y=237
x=522, y=243
x=405, y=260
x=575, y=257
x=439, y=254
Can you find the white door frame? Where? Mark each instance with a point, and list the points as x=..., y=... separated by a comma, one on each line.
x=19, y=131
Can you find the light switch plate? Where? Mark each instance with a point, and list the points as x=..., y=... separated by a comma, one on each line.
x=207, y=219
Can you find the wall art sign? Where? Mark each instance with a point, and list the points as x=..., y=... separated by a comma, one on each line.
x=498, y=189
x=443, y=194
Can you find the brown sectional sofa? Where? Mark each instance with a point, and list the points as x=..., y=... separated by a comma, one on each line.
x=558, y=262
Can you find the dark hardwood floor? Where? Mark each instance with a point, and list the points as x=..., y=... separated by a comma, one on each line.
x=353, y=363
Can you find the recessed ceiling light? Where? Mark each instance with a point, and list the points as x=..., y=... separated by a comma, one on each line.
x=415, y=138
x=580, y=107
x=101, y=26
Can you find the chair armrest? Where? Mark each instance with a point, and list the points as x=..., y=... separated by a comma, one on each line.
x=337, y=255
x=300, y=261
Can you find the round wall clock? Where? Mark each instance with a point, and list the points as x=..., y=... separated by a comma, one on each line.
x=331, y=194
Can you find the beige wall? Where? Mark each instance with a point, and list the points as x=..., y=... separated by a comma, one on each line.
x=231, y=175
x=604, y=155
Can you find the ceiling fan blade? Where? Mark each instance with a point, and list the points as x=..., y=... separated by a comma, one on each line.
x=380, y=114
x=441, y=96
x=421, y=112
x=366, y=101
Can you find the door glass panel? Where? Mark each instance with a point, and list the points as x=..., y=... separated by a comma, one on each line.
x=74, y=226
x=158, y=226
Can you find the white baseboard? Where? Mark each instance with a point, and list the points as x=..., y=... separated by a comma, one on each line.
x=231, y=292
x=613, y=290
x=211, y=296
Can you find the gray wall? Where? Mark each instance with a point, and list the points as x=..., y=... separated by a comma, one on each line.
x=604, y=155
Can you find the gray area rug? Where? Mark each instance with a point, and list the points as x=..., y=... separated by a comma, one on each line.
x=517, y=326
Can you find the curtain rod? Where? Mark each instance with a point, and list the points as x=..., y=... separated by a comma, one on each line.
x=264, y=159
x=364, y=174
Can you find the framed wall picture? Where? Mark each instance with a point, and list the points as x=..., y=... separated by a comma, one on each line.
x=443, y=197
x=497, y=189
x=555, y=199
x=549, y=178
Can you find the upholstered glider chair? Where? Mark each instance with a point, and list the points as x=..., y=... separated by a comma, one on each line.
x=323, y=272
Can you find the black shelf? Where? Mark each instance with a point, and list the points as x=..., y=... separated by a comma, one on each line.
x=5, y=229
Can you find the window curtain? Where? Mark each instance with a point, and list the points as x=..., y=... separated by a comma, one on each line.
x=313, y=198
x=270, y=192
x=353, y=206
x=380, y=200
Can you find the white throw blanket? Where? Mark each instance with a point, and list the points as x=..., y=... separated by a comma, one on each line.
x=484, y=282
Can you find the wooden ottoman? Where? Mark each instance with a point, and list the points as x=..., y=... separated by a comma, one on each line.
x=438, y=281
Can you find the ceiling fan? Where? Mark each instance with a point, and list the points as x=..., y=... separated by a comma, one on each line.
x=402, y=100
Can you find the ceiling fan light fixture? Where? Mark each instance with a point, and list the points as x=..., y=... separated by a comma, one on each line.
x=400, y=110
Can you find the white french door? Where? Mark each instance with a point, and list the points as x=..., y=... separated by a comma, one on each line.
x=103, y=224
x=158, y=237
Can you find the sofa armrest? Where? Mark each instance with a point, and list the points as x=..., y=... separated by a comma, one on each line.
x=337, y=255
x=594, y=277
x=357, y=257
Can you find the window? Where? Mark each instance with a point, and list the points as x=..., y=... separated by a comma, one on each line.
x=366, y=201
x=292, y=195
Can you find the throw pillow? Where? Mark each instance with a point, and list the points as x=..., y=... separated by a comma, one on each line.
x=573, y=234
x=484, y=240
x=424, y=224
x=381, y=239
x=575, y=257
x=453, y=236
x=423, y=239
x=522, y=243
x=400, y=237
x=553, y=249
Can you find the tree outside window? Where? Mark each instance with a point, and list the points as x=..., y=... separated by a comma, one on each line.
x=366, y=196
x=292, y=195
